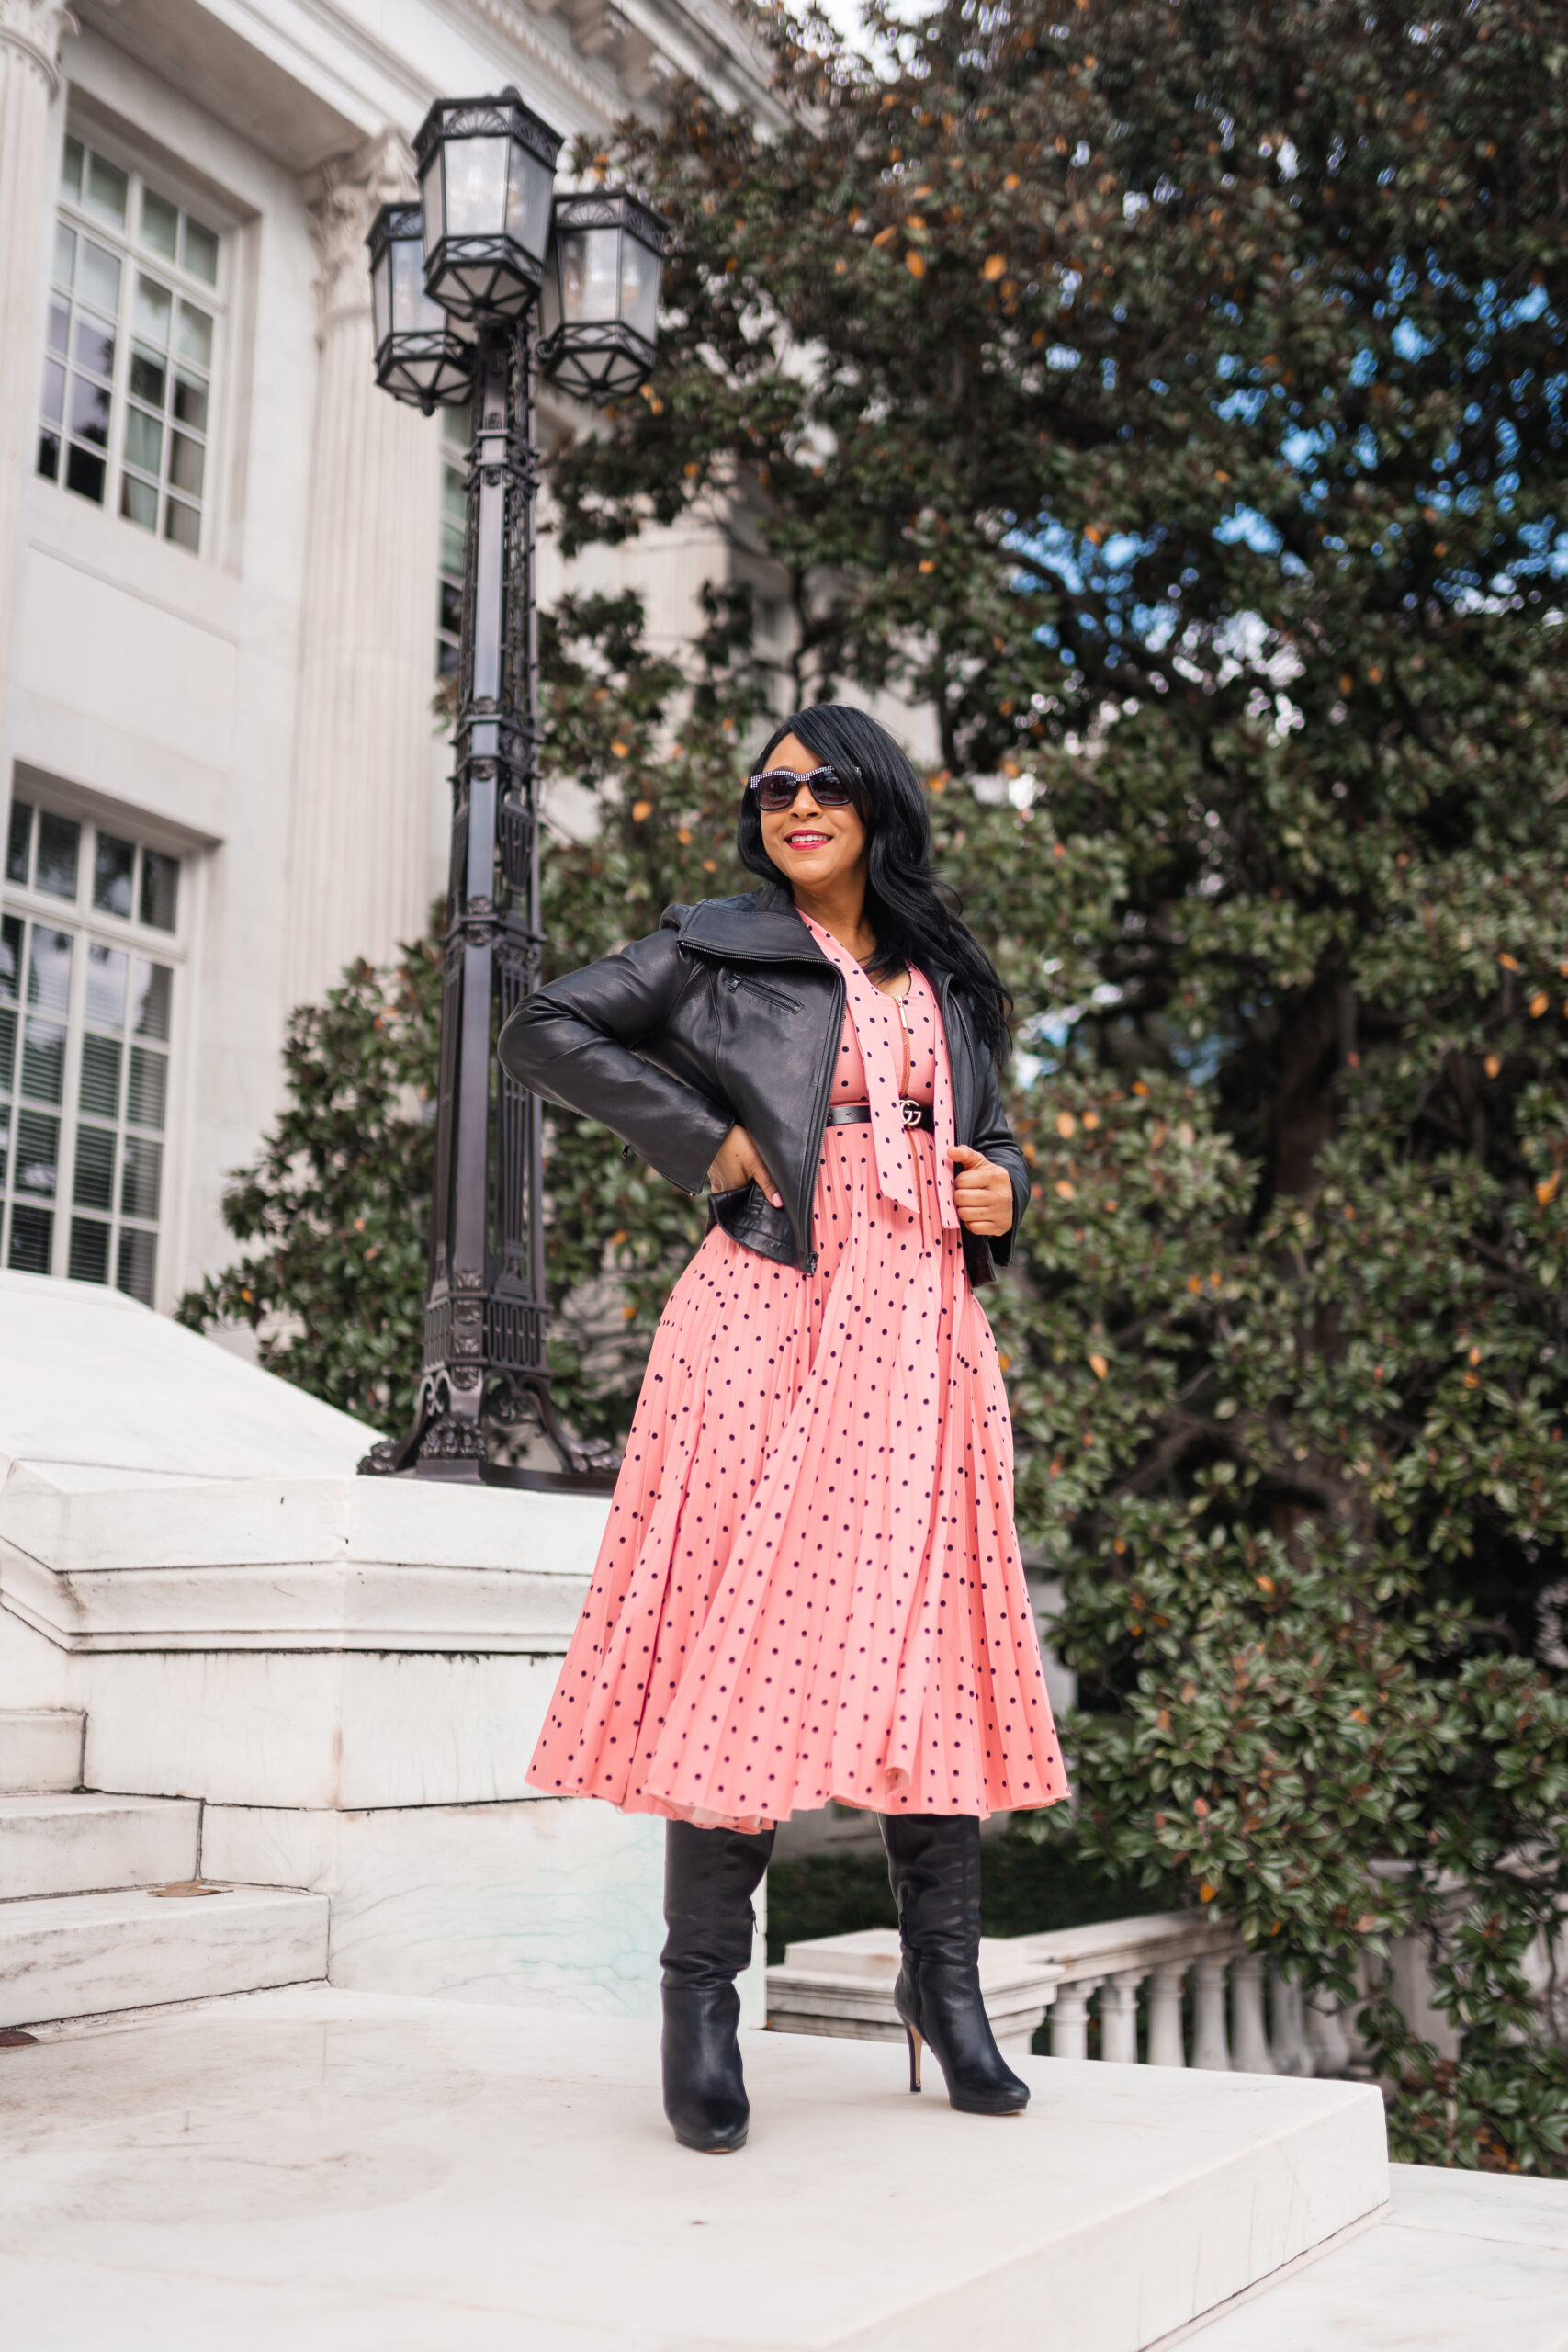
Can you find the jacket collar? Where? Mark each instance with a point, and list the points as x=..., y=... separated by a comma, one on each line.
x=759, y=926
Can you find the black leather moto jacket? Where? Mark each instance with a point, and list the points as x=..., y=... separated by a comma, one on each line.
x=730, y=1014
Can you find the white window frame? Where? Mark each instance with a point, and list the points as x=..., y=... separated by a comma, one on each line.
x=134, y=255
x=170, y=947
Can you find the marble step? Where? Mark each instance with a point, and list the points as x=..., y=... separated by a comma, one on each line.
x=72, y=1845
x=337, y=2171
x=84, y=1955
x=40, y=1748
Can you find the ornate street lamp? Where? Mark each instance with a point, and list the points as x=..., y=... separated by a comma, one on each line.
x=599, y=302
x=420, y=355
x=485, y=167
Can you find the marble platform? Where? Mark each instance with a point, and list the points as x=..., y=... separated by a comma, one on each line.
x=344, y=2173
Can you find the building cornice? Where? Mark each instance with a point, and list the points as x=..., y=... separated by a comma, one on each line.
x=598, y=95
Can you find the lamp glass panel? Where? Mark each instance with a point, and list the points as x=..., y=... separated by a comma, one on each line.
x=414, y=312
x=550, y=293
x=639, y=287
x=476, y=186
x=589, y=275
x=381, y=294
x=430, y=196
x=528, y=191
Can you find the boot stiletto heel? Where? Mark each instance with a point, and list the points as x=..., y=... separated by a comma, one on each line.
x=916, y=2046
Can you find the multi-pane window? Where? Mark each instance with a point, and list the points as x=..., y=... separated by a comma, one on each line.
x=128, y=374
x=456, y=423
x=87, y=961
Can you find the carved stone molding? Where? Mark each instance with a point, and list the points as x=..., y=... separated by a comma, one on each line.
x=349, y=190
x=37, y=27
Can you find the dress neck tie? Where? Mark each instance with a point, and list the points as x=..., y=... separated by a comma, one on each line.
x=879, y=1034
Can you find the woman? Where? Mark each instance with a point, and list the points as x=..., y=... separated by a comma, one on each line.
x=809, y=1587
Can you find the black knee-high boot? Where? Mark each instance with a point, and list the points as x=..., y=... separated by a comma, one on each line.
x=933, y=1861
x=710, y=1876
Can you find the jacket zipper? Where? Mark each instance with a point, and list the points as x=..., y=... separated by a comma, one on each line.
x=759, y=987
x=818, y=1126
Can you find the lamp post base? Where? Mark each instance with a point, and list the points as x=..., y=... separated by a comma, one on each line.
x=450, y=1447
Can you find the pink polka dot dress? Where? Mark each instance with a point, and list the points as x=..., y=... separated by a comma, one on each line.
x=810, y=1586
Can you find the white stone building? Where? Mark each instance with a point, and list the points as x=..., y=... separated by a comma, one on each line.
x=221, y=552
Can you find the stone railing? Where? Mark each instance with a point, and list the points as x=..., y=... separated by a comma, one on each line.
x=843, y=1985
x=1205, y=2001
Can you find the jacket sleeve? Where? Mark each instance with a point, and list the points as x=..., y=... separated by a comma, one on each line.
x=994, y=1138
x=577, y=1043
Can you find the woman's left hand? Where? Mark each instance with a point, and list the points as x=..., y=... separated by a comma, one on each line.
x=982, y=1192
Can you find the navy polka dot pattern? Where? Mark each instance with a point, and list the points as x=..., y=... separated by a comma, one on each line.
x=810, y=1586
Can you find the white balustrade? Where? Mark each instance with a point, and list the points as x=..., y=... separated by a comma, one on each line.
x=1287, y=2013
x=1166, y=2045
x=1250, y=2040
x=1326, y=2031
x=1069, y=2019
x=1119, y=2019
x=843, y=1985
x=1210, y=2049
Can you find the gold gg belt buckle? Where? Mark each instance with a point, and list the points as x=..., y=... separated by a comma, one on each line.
x=910, y=1113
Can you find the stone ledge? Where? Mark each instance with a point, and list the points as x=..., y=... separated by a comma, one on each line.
x=410, y=2174
x=842, y=1987
x=294, y=1564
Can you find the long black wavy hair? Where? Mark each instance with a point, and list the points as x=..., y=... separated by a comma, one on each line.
x=917, y=919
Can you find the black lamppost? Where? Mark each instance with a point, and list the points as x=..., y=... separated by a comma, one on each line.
x=455, y=283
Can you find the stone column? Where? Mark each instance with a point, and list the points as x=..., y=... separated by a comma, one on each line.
x=1210, y=2047
x=1165, y=2046
x=31, y=35
x=1250, y=2040
x=1119, y=2018
x=360, y=868
x=1290, y=2049
x=1069, y=2017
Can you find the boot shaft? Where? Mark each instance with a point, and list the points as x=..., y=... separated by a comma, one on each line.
x=710, y=1877
x=933, y=1866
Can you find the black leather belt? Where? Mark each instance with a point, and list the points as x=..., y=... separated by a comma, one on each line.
x=858, y=1115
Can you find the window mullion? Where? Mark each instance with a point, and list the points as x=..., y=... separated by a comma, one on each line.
x=120, y=401
x=71, y=1088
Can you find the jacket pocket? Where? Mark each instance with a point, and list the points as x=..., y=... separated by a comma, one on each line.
x=733, y=980
x=748, y=1216
x=725, y=1204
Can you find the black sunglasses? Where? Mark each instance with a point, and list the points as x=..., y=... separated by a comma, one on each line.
x=777, y=789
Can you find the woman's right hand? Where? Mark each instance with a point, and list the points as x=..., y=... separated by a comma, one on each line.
x=739, y=1162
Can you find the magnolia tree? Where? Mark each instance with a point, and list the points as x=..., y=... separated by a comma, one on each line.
x=1167, y=403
